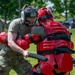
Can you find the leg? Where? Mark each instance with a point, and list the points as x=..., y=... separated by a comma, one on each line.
x=4, y=67
x=5, y=70
x=22, y=67
x=5, y=62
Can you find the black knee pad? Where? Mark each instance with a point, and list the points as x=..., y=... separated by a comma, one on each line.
x=34, y=73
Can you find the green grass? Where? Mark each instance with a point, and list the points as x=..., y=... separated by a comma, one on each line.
x=73, y=40
x=33, y=50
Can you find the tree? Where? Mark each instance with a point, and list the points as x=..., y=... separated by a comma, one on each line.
x=61, y=6
x=38, y=3
x=6, y=8
x=10, y=8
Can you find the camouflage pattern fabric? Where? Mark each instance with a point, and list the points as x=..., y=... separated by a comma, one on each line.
x=1, y=46
x=10, y=59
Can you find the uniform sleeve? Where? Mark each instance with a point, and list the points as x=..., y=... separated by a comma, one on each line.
x=39, y=31
x=13, y=27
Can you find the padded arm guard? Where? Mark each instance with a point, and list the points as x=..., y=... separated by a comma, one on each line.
x=3, y=37
x=31, y=38
x=20, y=42
x=26, y=40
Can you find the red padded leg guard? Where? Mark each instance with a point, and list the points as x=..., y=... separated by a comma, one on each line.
x=64, y=62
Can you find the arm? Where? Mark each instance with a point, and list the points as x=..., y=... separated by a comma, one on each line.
x=11, y=38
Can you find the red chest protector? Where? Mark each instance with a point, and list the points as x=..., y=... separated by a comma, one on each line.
x=55, y=29
x=57, y=37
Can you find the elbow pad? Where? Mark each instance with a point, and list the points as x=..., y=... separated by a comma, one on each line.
x=31, y=38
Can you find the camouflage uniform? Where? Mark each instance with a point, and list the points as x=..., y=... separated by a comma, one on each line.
x=11, y=59
x=2, y=27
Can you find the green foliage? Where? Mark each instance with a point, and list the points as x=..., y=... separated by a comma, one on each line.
x=11, y=8
x=38, y=3
x=63, y=5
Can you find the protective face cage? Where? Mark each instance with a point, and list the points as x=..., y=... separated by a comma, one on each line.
x=28, y=13
x=44, y=14
x=45, y=17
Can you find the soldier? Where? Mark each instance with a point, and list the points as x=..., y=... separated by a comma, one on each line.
x=13, y=57
x=53, y=41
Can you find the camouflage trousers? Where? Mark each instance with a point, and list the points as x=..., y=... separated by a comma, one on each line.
x=11, y=60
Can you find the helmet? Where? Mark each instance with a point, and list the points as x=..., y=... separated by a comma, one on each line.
x=44, y=14
x=28, y=11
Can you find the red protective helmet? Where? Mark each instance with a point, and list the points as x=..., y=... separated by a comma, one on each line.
x=45, y=14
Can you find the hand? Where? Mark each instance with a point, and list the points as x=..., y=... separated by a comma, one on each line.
x=25, y=53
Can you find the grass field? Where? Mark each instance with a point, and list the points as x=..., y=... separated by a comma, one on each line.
x=34, y=61
x=73, y=39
